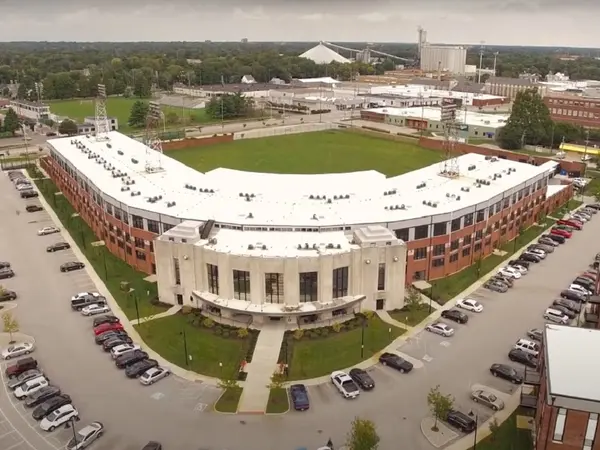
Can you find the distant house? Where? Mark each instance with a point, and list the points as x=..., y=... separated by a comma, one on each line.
x=277, y=81
x=248, y=79
x=89, y=126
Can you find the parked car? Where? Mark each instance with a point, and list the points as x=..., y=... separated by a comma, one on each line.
x=33, y=208
x=102, y=337
x=455, y=315
x=113, y=342
x=155, y=374
x=4, y=265
x=130, y=358
x=85, y=436
x=84, y=295
x=50, y=405
x=152, y=445
x=57, y=246
x=95, y=309
x=29, y=194
x=7, y=296
x=566, y=311
x=527, y=359
x=537, y=251
x=25, y=376
x=47, y=230
x=30, y=387
x=41, y=396
x=545, y=248
x=556, y=238
x=71, y=266
x=519, y=262
x=139, y=368
x=22, y=365
x=548, y=241
x=569, y=304
x=594, y=206
x=122, y=349
x=536, y=334
x=59, y=417
x=299, y=396
x=573, y=295
x=506, y=372
x=79, y=303
x=528, y=346
x=107, y=327
x=488, y=399
x=580, y=289
x=362, y=379
x=105, y=319
x=440, y=328
x=470, y=305
x=588, y=284
x=509, y=282
x=556, y=316
x=561, y=232
x=395, y=362
x=344, y=384
x=571, y=223
x=496, y=286
x=510, y=272
x=17, y=349
x=530, y=257
x=462, y=421
x=522, y=269
x=5, y=273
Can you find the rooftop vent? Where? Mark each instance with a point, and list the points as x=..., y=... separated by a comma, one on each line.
x=306, y=246
x=248, y=199
x=328, y=200
x=335, y=197
x=170, y=204
x=241, y=194
x=212, y=241
x=311, y=197
x=125, y=188
x=315, y=246
x=458, y=197
x=135, y=193
x=250, y=216
x=421, y=185
x=347, y=196
x=339, y=246
x=314, y=217
x=487, y=158
x=190, y=187
x=329, y=246
x=119, y=151
x=134, y=161
x=472, y=167
x=250, y=247
x=264, y=247
x=465, y=189
x=299, y=246
x=110, y=146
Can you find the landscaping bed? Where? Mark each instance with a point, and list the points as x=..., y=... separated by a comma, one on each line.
x=229, y=400
x=508, y=436
x=412, y=316
x=317, y=352
x=278, y=401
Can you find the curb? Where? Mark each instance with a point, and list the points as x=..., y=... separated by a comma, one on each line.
x=214, y=406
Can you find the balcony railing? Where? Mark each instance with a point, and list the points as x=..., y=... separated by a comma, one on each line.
x=532, y=377
x=529, y=397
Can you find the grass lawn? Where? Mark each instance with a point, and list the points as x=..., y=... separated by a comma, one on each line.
x=508, y=437
x=278, y=401
x=311, y=153
x=320, y=356
x=120, y=107
x=411, y=317
x=449, y=287
x=207, y=350
x=116, y=269
x=228, y=403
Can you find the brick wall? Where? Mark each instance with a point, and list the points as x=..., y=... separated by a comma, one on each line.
x=197, y=142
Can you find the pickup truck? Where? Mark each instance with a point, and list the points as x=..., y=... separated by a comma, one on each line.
x=22, y=365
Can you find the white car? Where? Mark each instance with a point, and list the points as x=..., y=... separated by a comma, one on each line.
x=48, y=230
x=470, y=305
x=580, y=217
x=510, y=272
x=345, y=384
x=85, y=436
x=59, y=417
x=31, y=386
x=122, y=349
x=153, y=375
x=83, y=295
x=521, y=269
x=579, y=288
x=20, y=349
x=441, y=329
x=538, y=252
x=93, y=309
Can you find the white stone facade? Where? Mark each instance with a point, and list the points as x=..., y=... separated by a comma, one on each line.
x=322, y=286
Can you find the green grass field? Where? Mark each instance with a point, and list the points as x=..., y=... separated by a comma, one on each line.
x=120, y=107
x=311, y=153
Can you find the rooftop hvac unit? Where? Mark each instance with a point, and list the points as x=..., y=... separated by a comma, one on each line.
x=299, y=246
x=329, y=246
x=135, y=193
x=487, y=158
x=250, y=247
x=248, y=199
x=328, y=200
x=119, y=152
x=250, y=216
x=134, y=161
x=110, y=146
x=170, y=204
x=335, y=197
x=472, y=167
x=339, y=246
x=125, y=188
x=458, y=197
x=347, y=196
x=264, y=247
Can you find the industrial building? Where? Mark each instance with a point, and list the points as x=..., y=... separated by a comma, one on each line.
x=446, y=58
x=575, y=109
x=89, y=125
x=30, y=110
x=321, y=54
x=415, y=90
x=471, y=124
x=510, y=87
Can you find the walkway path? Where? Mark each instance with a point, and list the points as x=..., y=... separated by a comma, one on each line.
x=169, y=312
x=264, y=363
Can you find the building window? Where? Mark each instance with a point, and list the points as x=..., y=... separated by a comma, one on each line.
x=439, y=229
x=309, y=286
x=153, y=226
x=274, y=287
x=468, y=220
x=138, y=222
x=439, y=249
x=241, y=285
x=454, y=245
x=453, y=257
x=466, y=251
x=478, y=235
x=420, y=253
x=139, y=242
x=213, y=278
x=559, y=426
x=118, y=214
x=590, y=432
x=467, y=240
x=422, y=232
x=477, y=247
x=438, y=262
x=402, y=234
x=381, y=277
x=491, y=211
x=455, y=225
x=506, y=203
x=177, y=271
x=125, y=218
x=480, y=215
x=340, y=282
x=140, y=255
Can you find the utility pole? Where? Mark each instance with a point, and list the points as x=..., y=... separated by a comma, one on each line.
x=495, y=57
x=480, y=63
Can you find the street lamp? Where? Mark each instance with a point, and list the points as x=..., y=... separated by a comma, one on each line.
x=471, y=413
x=185, y=349
x=137, y=309
x=362, y=337
x=71, y=424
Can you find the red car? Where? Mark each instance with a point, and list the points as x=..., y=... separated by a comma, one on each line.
x=571, y=223
x=592, y=275
x=103, y=328
x=564, y=233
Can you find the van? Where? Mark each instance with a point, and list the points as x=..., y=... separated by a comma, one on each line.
x=461, y=421
x=528, y=346
x=556, y=316
x=31, y=386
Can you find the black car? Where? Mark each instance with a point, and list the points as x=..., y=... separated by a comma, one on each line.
x=299, y=396
x=58, y=246
x=152, y=445
x=4, y=265
x=29, y=194
x=585, y=283
x=6, y=273
x=362, y=379
x=506, y=372
x=81, y=302
x=50, y=405
x=462, y=421
x=138, y=368
x=571, y=305
x=517, y=355
x=566, y=311
x=72, y=265
x=456, y=315
x=130, y=358
x=573, y=295
x=6, y=295
x=39, y=397
x=33, y=208
x=556, y=238
x=105, y=319
x=595, y=206
x=530, y=257
x=519, y=262
x=113, y=342
x=101, y=338
x=395, y=362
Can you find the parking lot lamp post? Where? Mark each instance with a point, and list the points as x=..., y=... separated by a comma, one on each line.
x=71, y=424
x=137, y=308
x=362, y=337
x=185, y=349
x=430, y=298
x=475, y=432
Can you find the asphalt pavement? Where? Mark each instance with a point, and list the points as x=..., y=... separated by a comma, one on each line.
x=179, y=413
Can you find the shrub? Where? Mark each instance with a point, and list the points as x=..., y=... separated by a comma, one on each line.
x=368, y=314
x=226, y=333
x=325, y=332
x=298, y=334
x=218, y=331
x=316, y=332
x=208, y=323
x=242, y=333
x=186, y=309
x=337, y=327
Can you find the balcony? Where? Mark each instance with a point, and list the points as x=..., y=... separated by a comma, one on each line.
x=529, y=397
x=532, y=377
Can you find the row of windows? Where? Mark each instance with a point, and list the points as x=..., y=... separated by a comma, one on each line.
x=585, y=104
x=574, y=113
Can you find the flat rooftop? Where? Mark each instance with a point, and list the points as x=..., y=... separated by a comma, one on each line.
x=471, y=118
x=279, y=200
x=419, y=90
x=570, y=373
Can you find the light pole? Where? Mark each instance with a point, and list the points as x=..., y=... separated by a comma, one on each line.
x=471, y=413
x=133, y=294
x=185, y=349
x=71, y=424
x=362, y=338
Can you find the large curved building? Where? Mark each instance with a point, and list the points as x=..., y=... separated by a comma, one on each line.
x=248, y=247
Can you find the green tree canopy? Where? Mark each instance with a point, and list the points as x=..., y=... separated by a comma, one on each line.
x=11, y=121
x=363, y=435
x=138, y=114
x=439, y=404
x=230, y=106
x=67, y=127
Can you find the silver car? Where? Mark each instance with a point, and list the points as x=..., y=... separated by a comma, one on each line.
x=25, y=376
x=85, y=436
x=153, y=375
x=440, y=328
x=488, y=399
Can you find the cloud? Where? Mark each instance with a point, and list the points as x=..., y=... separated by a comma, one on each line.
x=313, y=17
x=257, y=13
x=375, y=17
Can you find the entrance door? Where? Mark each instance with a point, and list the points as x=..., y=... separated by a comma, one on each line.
x=179, y=299
x=380, y=304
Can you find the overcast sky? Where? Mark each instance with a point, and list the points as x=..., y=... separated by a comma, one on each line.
x=511, y=22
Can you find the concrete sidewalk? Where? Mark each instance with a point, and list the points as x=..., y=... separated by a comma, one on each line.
x=170, y=312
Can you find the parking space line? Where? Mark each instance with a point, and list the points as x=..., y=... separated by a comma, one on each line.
x=6, y=419
x=15, y=445
x=6, y=434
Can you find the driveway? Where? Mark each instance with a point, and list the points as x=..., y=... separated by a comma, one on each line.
x=179, y=413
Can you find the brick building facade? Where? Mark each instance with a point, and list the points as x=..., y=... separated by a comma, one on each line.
x=574, y=109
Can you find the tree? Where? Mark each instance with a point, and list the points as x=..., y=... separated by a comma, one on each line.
x=138, y=114
x=11, y=121
x=494, y=427
x=172, y=118
x=363, y=435
x=11, y=325
x=228, y=384
x=67, y=127
x=230, y=106
x=277, y=380
x=439, y=404
x=5, y=92
x=412, y=299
